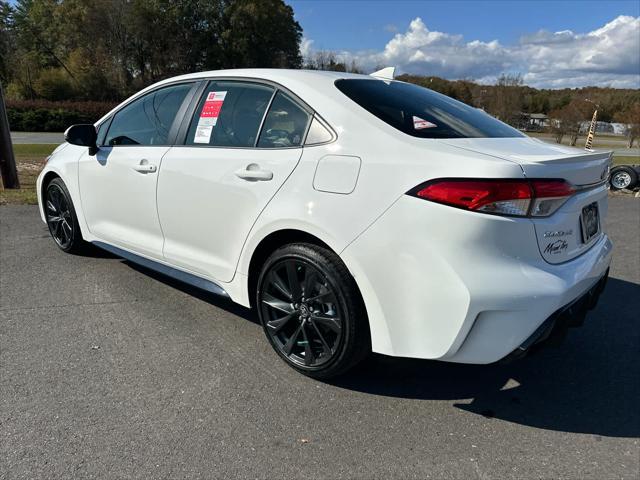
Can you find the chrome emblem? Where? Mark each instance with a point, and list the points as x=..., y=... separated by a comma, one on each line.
x=558, y=233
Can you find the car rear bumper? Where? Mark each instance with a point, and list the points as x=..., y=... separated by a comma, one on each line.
x=554, y=329
x=443, y=283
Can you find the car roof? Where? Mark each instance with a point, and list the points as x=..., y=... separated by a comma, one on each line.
x=315, y=87
x=278, y=75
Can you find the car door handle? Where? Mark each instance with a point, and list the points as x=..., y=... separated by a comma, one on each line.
x=253, y=173
x=145, y=167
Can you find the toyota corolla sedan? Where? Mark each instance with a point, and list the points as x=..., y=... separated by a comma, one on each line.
x=354, y=213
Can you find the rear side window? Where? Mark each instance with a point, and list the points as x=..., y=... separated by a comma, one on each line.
x=421, y=112
x=229, y=114
x=148, y=120
x=285, y=125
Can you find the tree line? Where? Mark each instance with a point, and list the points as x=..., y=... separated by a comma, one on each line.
x=105, y=50
x=567, y=108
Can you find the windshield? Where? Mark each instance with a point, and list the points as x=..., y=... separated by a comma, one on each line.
x=421, y=112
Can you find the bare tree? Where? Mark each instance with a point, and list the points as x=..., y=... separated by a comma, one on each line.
x=631, y=118
x=505, y=102
x=568, y=120
x=328, y=60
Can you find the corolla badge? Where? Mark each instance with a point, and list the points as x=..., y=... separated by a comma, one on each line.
x=556, y=247
x=558, y=233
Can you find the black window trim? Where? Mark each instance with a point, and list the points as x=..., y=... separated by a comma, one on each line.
x=181, y=140
x=177, y=121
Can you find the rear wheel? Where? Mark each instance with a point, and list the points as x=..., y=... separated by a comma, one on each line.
x=311, y=310
x=61, y=217
x=623, y=177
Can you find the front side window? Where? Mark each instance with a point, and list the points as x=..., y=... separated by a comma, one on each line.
x=285, y=125
x=229, y=114
x=148, y=120
x=102, y=131
x=421, y=112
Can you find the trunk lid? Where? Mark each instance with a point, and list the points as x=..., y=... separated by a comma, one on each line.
x=565, y=234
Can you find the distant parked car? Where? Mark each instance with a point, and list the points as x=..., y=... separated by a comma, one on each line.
x=624, y=177
x=353, y=213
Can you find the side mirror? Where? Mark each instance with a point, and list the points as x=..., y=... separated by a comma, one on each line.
x=84, y=136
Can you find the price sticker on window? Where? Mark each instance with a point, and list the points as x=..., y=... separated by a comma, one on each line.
x=209, y=116
x=420, y=123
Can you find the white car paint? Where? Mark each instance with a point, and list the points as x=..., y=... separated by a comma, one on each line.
x=337, y=174
x=437, y=282
x=118, y=201
x=209, y=240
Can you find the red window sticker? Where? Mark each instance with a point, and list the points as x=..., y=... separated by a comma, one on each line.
x=420, y=123
x=209, y=116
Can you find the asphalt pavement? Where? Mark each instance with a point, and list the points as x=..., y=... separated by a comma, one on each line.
x=110, y=371
x=37, y=137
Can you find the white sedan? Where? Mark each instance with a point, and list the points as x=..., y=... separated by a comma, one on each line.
x=354, y=213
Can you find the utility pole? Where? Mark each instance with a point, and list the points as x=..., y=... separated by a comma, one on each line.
x=7, y=160
x=592, y=127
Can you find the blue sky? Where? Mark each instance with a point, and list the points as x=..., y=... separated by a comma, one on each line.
x=365, y=24
x=551, y=43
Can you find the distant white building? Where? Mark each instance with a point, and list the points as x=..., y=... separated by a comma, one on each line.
x=619, y=128
x=601, y=127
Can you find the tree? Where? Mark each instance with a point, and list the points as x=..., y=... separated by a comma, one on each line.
x=5, y=40
x=108, y=49
x=631, y=118
x=505, y=102
x=568, y=120
x=260, y=34
x=327, y=60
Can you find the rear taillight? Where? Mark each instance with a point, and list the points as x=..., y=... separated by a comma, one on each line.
x=536, y=198
x=549, y=196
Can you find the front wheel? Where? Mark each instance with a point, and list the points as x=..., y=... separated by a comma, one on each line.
x=61, y=217
x=311, y=310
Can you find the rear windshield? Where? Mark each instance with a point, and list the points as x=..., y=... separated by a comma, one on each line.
x=421, y=112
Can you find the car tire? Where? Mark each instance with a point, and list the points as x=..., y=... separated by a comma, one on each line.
x=311, y=311
x=623, y=177
x=61, y=217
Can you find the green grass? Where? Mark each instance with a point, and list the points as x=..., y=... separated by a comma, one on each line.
x=29, y=160
x=599, y=141
x=33, y=149
x=626, y=159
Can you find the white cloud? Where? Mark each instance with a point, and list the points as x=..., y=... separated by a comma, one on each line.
x=608, y=56
x=306, y=46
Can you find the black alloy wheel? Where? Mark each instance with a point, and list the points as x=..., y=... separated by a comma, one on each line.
x=311, y=311
x=61, y=216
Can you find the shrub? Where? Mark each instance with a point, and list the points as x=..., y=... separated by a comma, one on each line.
x=47, y=116
x=54, y=84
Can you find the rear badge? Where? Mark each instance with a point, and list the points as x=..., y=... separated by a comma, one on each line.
x=556, y=247
x=558, y=233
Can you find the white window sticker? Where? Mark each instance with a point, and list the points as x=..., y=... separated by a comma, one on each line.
x=209, y=116
x=420, y=123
